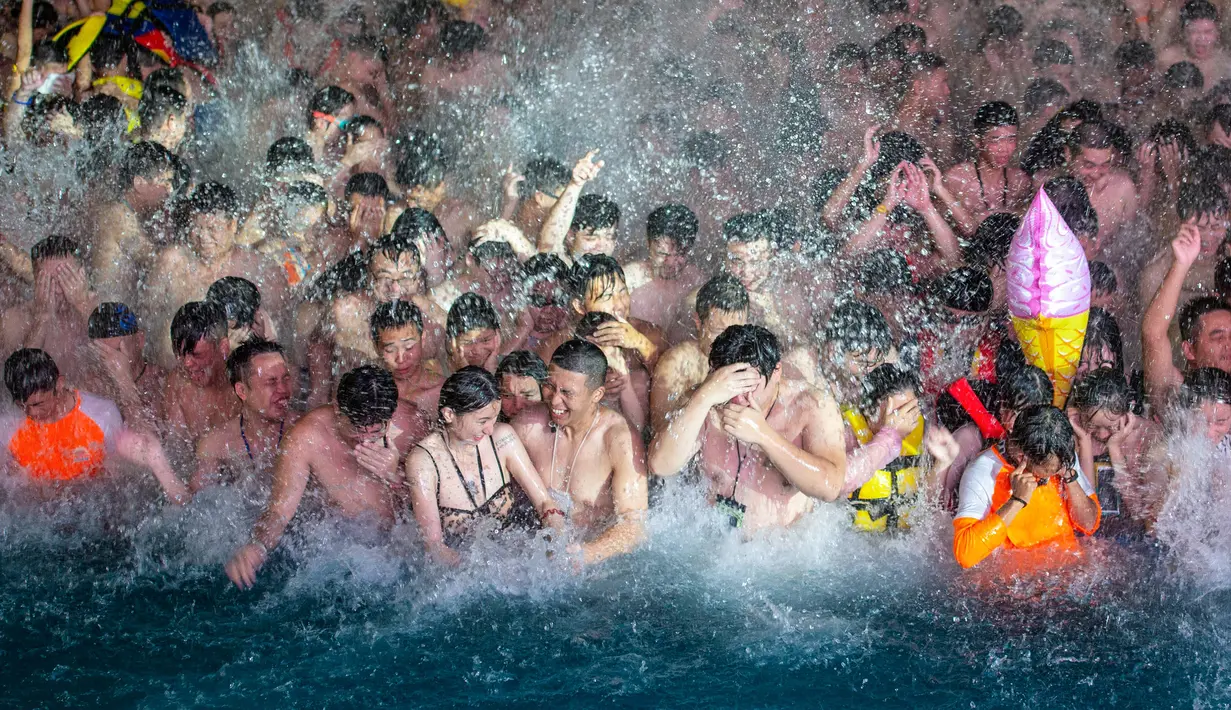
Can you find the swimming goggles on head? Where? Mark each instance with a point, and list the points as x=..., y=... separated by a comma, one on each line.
x=341, y=124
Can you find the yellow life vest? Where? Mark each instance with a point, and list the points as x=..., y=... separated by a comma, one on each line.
x=882, y=503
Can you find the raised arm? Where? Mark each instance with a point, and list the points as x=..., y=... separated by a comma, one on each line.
x=629, y=495
x=672, y=448
x=551, y=236
x=291, y=473
x=870, y=229
x=835, y=206
x=1161, y=374
x=144, y=449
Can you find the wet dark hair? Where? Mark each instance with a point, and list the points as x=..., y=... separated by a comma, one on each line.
x=43, y=16
x=595, y=212
x=1103, y=330
x=593, y=269
x=167, y=78
x=146, y=160
x=417, y=225
x=1134, y=53
x=1043, y=92
x=367, y=395
x=328, y=100
x=1102, y=278
x=924, y=62
x=467, y=390
x=844, y=55
x=1198, y=198
x=212, y=198
x=29, y=371
x=546, y=175
x=422, y=162
x=674, y=222
x=993, y=114
x=160, y=103
x=55, y=246
x=750, y=344
x=885, y=271
x=723, y=292
x=989, y=246
x=288, y=154
x=306, y=193
x=1194, y=10
x=392, y=246
x=909, y=32
x=357, y=125
x=964, y=289
x=497, y=255
x=49, y=52
x=1101, y=389
x=459, y=38
x=366, y=185
x=1073, y=203
x=886, y=49
x=1042, y=431
x=1191, y=312
x=542, y=268
x=747, y=227
x=239, y=297
x=522, y=363
x=35, y=122
x=394, y=314
x=1205, y=384
x=239, y=362
x=195, y=321
x=1005, y=23
x=471, y=312
x=887, y=7
x=583, y=357
x=102, y=117
x=1221, y=115
x=1052, y=51
x=1183, y=75
x=884, y=382
x=1027, y=386
x=857, y=327
x=591, y=321
x=1173, y=131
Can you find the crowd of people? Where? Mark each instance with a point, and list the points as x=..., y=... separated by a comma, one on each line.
x=813, y=314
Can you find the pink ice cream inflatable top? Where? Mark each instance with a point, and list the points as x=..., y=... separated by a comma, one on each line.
x=1048, y=274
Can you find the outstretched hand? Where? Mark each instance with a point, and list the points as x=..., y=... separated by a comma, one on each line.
x=1187, y=245
x=586, y=169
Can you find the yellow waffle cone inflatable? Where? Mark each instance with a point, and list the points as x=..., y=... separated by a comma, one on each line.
x=1049, y=293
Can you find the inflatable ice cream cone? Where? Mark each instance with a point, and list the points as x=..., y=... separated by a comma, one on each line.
x=1049, y=293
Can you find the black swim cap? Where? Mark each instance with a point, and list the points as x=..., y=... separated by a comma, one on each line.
x=112, y=320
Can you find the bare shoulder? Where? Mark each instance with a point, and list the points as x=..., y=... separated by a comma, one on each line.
x=615, y=427
x=215, y=444
x=172, y=258
x=676, y=358
x=311, y=428
x=503, y=436
x=531, y=421
x=807, y=399
x=960, y=172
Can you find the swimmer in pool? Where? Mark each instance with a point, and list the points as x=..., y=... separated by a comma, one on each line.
x=589, y=457
x=471, y=468
x=351, y=450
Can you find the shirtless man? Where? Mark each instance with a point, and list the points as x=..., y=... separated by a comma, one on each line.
x=342, y=338
x=769, y=444
x=55, y=319
x=127, y=232
x=528, y=198
x=183, y=273
x=660, y=285
x=248, y=443
x=1111, y=188
x=1205, y=206
x=565, y=232
x=587, y=454
x=521, y=375
x=328, y=111
x=124, y=375
x=1201, y=45
x=548, y=309
x=350, y=449
x=473, y=331
x=1205, y=325
x=991, y=183
x=198, y=397
x=749, y=258
x=422, y=174
x=627, y=388
x=397, y=332
x=721, y=303
x=164, y=114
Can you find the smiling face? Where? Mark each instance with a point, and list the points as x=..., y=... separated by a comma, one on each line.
x=472, y=427
x=205, y=362
x=400, y=350
x=267, y=390
x=608, y=295
x=213, y=235
x=395, y=280
x=1093, y=165
x=569, y=398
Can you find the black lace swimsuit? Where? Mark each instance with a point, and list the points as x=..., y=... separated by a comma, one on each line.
x=455, y=522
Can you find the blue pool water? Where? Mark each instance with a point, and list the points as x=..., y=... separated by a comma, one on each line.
x=131, y=609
